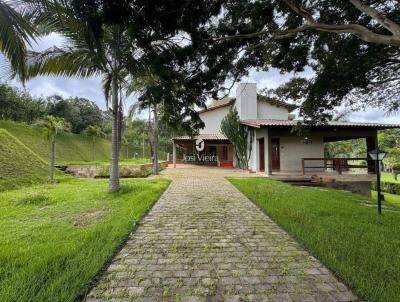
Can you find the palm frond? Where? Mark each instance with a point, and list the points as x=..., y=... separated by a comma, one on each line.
x=106, y=83
x=64, y=62
x=15, y=31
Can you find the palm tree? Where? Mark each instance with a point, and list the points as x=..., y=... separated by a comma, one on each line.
x=53, y=125
x=140, y=84
x=87, y=53
x=94, y=132
x=15, y=32
x=125, y=143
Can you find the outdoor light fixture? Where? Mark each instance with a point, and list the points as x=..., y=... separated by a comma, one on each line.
x=378, y=155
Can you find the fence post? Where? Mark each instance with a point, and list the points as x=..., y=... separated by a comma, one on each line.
x=339, y=166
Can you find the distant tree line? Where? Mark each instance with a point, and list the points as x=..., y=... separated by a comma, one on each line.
x=20, y=106
x=389, y=141
x=82, y=116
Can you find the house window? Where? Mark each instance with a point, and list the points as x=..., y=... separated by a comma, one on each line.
x=224, y=153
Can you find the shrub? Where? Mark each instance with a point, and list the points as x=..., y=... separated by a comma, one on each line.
x=388, y=187
x=124, y=172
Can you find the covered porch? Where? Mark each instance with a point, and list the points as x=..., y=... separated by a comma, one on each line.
x=277, y=149
x=203, y=149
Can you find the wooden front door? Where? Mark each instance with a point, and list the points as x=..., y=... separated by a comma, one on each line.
x=276, y=158
x=261, y=152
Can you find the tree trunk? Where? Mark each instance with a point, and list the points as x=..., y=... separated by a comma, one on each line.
x=143, y=156
x=150, y=131
x=93, y=149
x=120, y=120
x=114, y=185
x=155, y=140
x=53, y=157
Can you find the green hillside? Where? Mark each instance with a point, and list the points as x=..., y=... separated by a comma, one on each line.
x=19, y=166
x=70, y=147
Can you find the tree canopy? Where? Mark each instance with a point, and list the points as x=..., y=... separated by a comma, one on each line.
x=352, y=48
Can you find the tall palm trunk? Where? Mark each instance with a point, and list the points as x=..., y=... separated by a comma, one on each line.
x=120, y=121
x=114, y=185
x=53, y=157
x=155, y=140
x=93, y=148
x=150, y=131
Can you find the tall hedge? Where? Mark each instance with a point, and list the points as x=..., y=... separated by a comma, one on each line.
x=388, y=187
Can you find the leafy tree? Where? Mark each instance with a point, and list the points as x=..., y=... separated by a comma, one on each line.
x=347, y=148
x=389, y=141
x=79, y=112
x=137, y=135
x=20, y=106
x=53, y=125
x=239, y=135
x=351, y=46
x=94, y=132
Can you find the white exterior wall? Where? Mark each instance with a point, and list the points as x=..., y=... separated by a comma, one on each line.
x=267, y=111
x=254, y=162
x=292, y=150
x=254, y=152
x=212, y=120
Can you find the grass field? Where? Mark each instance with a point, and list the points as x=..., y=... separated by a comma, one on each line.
x=56, y=238
x=19, y=166
x=390, y=199
x=342, y=229
x=70, y=147
x=390, y=178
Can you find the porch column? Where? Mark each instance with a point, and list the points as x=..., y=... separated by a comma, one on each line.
x=372, y=144
x=267, y=152
x=174, y=154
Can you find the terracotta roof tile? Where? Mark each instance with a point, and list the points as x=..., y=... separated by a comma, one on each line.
x=211, y=136
x=257, y=123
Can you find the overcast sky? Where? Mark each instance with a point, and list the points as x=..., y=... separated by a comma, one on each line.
x=91, y=88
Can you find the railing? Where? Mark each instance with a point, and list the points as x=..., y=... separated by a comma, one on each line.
x=338, y=164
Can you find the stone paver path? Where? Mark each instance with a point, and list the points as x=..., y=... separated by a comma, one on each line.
x=205, y=241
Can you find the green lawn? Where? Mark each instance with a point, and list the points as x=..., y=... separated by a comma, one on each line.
x=19, y=166
x=339, y=228
x=70, y=147
x=389, y=178
x=390, y=199
x=137, y=161
x=56, y=238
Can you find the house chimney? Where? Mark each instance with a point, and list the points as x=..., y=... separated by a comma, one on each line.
x=246, y=100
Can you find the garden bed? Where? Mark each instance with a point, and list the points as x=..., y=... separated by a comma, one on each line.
x=103, y=171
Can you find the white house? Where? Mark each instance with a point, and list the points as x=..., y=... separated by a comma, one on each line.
x=276, y=148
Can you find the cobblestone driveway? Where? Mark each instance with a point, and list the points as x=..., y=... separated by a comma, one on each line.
x=205, y=241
